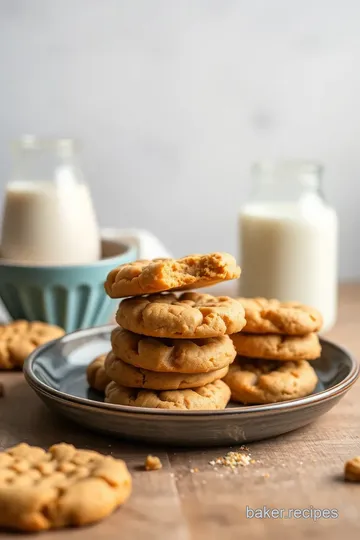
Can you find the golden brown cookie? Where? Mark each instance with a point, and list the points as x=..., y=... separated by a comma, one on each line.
x=20, y=338
x=95, y=374
x=133, y=377
x=212, y=396
x=352, y=469
x=63, y=487
x=265, y=316
x=266, y=381
x=276, y=347
x=172, y=355
x=189, y=316
x=159, y=275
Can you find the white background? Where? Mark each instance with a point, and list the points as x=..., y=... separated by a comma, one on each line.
x=173, y=100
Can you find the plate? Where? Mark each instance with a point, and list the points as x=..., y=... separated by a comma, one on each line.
x=56, y=371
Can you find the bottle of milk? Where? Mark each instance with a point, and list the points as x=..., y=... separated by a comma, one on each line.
x=288, y=238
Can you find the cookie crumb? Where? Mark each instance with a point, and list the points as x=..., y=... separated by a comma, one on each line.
x=352, y=469
x=232, y=459
x=152, y=463
x=266, y=475
x=195, y=470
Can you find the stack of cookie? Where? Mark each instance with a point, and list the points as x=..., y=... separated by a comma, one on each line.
x=172, y=351
x=274, y=351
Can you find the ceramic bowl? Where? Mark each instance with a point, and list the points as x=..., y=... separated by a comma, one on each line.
x=72, y=297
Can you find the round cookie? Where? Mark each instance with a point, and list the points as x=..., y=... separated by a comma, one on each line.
x=276, y=347
x=172, y=355
x=159, y=275
x=126, y=375
x=189, y=316
x=62, y=487
x=265, y=316
x=264, y=381
x=20, y=338
x=95, y=374
x=213, y=396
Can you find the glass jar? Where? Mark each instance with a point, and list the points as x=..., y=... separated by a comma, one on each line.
x=48, y=215
x=288, y=238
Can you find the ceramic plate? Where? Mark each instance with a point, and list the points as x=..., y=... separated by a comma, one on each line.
x=56, y=371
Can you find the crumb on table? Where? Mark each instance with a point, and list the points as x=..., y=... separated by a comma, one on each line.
x=152, y=463
x=352, y=469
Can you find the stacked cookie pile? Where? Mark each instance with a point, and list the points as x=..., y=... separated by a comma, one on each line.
x=274, y=350
x=172, y=351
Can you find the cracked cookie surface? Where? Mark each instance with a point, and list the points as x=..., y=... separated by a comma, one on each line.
x=213, y=396
x=127, y=375
x=62, y=487
x=159, y=275
x=95, y=374
x=266, y=381
x=276, y=347
x=189, y=316
x=264, y=316
x=20, y=338
x=172, y=355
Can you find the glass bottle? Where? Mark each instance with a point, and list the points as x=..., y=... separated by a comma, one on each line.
x=48, y=215
x=288, y=238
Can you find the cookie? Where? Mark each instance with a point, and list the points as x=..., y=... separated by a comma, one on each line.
x=159, y=275
x=133, y=377
x=95, y=374
x=212, y=396
x=276, y=347
x=172, y=355
x=266, y=381
x=20, y=338
x=189, y=316
x=65, y=486
x=352, y=469
x=265, y=316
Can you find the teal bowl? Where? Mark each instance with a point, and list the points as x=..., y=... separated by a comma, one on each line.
x=72, y=297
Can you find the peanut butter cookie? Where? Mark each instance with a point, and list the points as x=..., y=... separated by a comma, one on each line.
x=189, y=316
x=42, y=490
x=212, y=396
x=95, y=374
x=20, y=338
x=266, y=381
x=159, y=275
x=352, y=469
x=276, y=347
x=172, y=355
x=265, y=316
x=133, y=377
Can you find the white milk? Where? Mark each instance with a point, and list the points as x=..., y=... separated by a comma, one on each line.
x=289, y=251
x=49, y=223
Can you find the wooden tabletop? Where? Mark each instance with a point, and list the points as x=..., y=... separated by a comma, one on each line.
x=189, y=498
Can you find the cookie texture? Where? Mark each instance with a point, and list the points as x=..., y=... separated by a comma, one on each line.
x=265, y=316
x=212, y=396
x=276, y=347
x=266, y=381
x=96, y=375
x=191, y=315
x=352, y=469
x=172, y=355
x=42, y=490
x=159, y=275
x=20, y=338
x=128, y=375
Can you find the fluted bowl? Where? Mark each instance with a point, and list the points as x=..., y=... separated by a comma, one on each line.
x=72, y=297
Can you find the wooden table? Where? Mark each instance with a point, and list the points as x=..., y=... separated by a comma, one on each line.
x=298, y=470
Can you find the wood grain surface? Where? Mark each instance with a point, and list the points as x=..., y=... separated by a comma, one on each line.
x=302, y=469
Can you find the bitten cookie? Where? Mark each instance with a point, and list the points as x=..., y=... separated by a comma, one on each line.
x=190, y=316
x=266, y=381
x=159, y=275
x=95, y=374
x=133, y=377
x=20, y=338
x=212, y=396
x=265, y=316
x=172, y=355
x=42, y=490
x=352, y=469
x=276, y=347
